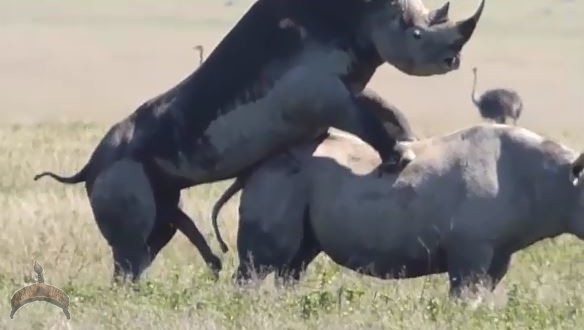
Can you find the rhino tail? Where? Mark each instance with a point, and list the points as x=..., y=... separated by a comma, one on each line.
x=76, y=178
x=227, y=194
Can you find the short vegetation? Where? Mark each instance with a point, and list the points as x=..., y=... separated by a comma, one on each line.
x=96, y=60
x=52, y=223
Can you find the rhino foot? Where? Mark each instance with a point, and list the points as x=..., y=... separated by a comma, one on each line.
x=396, y=165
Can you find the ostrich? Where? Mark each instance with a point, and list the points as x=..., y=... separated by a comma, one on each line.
x=200, y=49
x=497, y=104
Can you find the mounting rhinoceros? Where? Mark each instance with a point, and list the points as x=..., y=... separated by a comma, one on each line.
x=345, y=150
x=464, y=206
x=286, y=71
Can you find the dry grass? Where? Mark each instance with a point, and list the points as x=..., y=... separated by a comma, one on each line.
x=70, y=69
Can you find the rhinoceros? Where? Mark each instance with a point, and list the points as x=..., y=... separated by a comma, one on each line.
x=344, y=149
x=464, y=206
x=286, y=71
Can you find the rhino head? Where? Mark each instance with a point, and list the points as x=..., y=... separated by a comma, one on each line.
x=415, y=40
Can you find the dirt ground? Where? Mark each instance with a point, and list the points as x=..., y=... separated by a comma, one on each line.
x=99, y=60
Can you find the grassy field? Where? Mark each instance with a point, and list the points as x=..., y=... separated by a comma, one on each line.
x=69, y=69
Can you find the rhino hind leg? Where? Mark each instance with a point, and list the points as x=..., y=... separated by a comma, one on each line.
x=186, y=225
x=259, y=253
x=270, y=231
x=124, y=208
x=164, y=231
x=160, y=236
x=498, y=269
x=263, y=249
x=130, y=261
x=169, y=219
x=264, y=256
x=290, y=274
x=249, y=270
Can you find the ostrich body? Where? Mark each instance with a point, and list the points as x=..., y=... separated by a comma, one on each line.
x=497, y=104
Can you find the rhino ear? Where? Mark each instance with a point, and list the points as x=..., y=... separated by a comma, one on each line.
x=577, y=170
x=439, y=15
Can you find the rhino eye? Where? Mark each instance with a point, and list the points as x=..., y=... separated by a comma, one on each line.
x=417, y=34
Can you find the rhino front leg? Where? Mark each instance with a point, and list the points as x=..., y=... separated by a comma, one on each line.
x=340, y=108
x=499, y=268
x=164, y=230
x=364, y=123
x=468, y=266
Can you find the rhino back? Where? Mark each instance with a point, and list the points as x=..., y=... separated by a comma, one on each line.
x=484, y=182
x=140, y=136
x=500, y=180
x=349, y=151
x=364, y=216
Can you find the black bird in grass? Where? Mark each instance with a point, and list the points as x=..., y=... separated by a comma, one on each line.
x=497, y=104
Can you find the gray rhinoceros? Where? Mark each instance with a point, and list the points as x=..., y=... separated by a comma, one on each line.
x=464, y=206
x=344, y=150
x=286, y=71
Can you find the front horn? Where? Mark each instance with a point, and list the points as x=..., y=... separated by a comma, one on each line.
x=467, y=26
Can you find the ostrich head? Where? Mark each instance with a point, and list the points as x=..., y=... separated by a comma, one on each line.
x=201, y=50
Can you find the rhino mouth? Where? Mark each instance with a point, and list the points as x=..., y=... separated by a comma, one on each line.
x=452, y=62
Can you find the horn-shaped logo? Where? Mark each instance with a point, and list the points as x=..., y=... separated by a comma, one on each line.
x=40, y=291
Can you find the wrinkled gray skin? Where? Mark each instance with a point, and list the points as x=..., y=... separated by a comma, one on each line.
x=208, y=127
x=150, y=218
x=497, y=104
x=393, y=119
x=272, y=205
x=464, y=206
x=315, y=88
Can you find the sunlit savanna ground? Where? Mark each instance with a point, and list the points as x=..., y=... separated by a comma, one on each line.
x=69, y=69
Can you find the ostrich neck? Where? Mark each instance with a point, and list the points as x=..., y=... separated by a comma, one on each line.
x=474, y=95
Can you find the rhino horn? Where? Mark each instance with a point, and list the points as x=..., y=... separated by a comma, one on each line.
x=413, y=10
x=439, y=15
x=466, y=27
x=577, y=169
